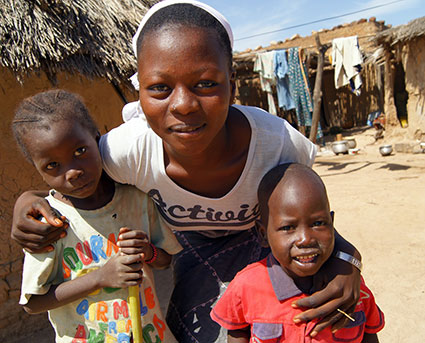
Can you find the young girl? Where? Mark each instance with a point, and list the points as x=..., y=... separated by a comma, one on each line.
x=200, y=159
x=83, y=282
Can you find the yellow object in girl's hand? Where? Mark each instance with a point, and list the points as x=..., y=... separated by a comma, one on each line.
x=136, y=318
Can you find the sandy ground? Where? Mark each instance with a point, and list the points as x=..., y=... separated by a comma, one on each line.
x=379, y=205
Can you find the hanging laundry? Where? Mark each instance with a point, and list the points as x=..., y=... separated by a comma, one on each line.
x=347, y=60
x=264, y=65
x=282, y=85
x=300, y=90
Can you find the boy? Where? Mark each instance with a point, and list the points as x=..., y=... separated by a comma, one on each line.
x=296, y=222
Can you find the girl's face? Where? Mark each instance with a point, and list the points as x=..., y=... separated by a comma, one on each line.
x=67, y=157
x=300, y=228
x=186, y=88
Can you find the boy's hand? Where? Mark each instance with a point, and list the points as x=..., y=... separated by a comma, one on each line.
x=134, y=242
x=28, y=231
x=121, y=271
x=342, y=292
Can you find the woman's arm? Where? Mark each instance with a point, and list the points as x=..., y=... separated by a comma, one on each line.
x=28, y=231
x=238, y=336
x=342, y=291
x=119, y=272
x=370, y=338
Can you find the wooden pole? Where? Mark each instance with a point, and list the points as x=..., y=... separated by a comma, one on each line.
x=391, y=120
x=317, y=93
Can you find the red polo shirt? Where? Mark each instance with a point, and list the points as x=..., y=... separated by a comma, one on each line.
x=261, y=295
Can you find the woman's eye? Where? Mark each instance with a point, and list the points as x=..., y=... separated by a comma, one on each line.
x=206, y=84
x=80, y=151
x=159, y=88
x=52, y=165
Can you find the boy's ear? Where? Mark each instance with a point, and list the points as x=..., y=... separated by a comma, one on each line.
x=262, y=233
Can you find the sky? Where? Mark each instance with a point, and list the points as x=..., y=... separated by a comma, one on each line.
x=251, y=17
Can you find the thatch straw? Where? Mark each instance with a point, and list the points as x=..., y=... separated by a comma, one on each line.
x=91, y=37
x=402, y=33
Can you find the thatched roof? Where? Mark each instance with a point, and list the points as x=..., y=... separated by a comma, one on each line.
x=402, y=33
x=91, y=37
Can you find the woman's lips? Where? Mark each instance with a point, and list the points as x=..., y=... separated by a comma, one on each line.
x=186, y=129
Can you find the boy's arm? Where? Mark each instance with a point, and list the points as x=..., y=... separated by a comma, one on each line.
x=119, y=272
x=342, y=291
x=136, y=242
x=370, y=338
x=239, y=336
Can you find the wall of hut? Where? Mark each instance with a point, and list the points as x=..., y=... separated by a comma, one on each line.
x=340, y=107
x=17, y=176
x=413, y=60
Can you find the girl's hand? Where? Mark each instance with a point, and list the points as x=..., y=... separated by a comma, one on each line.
x=121, y=271
x=342, y=292
x=134, y=242
x=28, y=231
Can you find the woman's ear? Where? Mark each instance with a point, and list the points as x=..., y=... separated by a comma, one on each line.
x=232, y=85
x=262, y=233
x=97, y=137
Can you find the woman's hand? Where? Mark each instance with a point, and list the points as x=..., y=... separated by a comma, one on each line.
x=342, y=292
x=27, y=229
x=121, y=271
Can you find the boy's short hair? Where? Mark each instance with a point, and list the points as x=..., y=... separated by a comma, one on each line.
x=38, y=112
x=271, y=179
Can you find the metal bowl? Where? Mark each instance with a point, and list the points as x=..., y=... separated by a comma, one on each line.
x=340, y=147
x=351, y=142
x=386, y=150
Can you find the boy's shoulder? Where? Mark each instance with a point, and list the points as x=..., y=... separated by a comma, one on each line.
x=257, y=270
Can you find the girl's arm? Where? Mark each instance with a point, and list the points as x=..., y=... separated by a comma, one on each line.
x=239, y=336
x=342, y=291
x=119, y=272
x=136, y=242
x=28, y=231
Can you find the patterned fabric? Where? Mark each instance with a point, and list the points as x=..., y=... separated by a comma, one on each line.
x=300, y=89
x=201, y=273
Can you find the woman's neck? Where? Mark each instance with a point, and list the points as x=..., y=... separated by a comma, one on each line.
x=102, y=196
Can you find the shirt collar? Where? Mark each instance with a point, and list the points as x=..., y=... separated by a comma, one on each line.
x=284, y=287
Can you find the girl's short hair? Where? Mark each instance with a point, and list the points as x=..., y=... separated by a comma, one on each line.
x=38, y=112
x=186, y=15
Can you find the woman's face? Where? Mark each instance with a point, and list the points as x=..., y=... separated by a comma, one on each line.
x=186, y=88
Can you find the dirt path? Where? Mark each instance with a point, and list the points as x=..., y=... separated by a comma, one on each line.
x=379, y=205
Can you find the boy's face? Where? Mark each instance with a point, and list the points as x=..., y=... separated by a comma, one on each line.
x=300, y=228
x=186, y=87
x=67, y=157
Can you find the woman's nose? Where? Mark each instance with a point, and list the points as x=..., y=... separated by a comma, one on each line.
x=183, y=101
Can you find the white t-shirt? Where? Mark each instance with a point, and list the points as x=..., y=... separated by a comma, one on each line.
x=90, y=242
x=133, y=153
